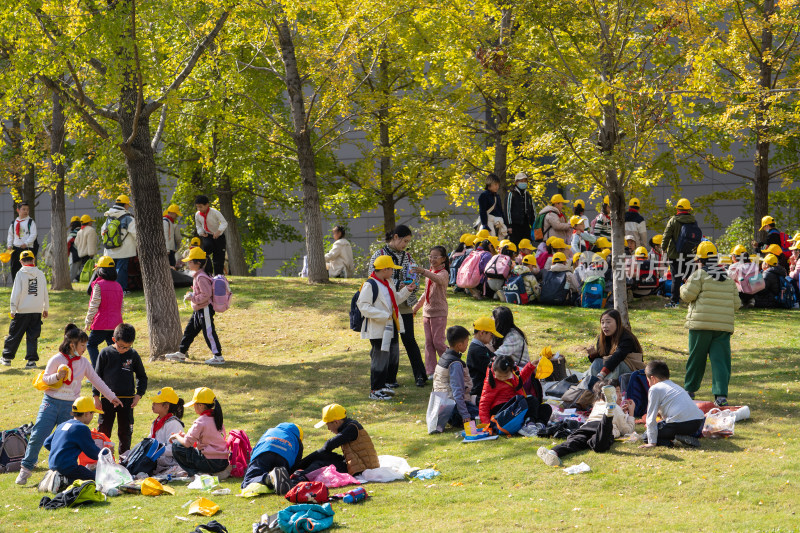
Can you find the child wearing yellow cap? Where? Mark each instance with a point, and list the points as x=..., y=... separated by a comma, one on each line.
x=29, y=303
x=70, y=439
x=86, y=242
x=120, y=222
x=72, y=250
x=480, y=353
x=202, y=449
x=601, y=225
x=172, y=236
x=555, y=221
x=168, y=408
x=105, y=307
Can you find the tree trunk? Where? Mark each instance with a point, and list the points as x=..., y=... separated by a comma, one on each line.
x=620, y=287
x=236, y=263
x=312, y=216
x=58, y=216
x=385, y=164
x=762, y=176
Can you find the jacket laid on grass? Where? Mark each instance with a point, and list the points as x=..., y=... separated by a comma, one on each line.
x=712, y=302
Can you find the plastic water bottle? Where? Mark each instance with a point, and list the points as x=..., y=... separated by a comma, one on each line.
x=112, y=492
x=355, y=495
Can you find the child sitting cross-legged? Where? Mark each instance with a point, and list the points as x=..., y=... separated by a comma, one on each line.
x=70, y=439
x=203, y=449
x=452, y=377
x=503, y=382
x=168, y=409
x=681, y=419
x=607, y=421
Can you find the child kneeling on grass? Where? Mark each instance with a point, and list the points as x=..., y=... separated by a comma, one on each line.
x=168, y=409
x=606, y=422
x=358, y=451
x=681, y=419
x=502, y=383
x=451, y=377
x=203, y=449
x=70, y=439
x=274, y=456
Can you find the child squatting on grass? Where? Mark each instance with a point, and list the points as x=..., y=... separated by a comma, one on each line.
x=681, y=419
x=70, y=439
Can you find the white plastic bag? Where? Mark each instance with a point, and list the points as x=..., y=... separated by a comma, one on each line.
x=109, y=475
x=719, y=423
x=204, y=482
x=392, y=469
x=440, y=409
x=577, y=469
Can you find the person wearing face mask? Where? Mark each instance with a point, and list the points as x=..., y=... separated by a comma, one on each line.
x=519, y=210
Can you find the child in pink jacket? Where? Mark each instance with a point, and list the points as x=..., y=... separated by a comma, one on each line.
x=202, y=319
x=434, y=308
x=202, y=449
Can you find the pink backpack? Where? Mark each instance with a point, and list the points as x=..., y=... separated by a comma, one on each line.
x=469, y=274
x=498, y=267
x=239, y=445
x=220, y=294
x=749, y=278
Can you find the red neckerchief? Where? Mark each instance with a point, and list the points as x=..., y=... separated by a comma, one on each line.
x=70, y=360
x=17, y=227
x=159, y=423
x=395, y=309
x=428, y=286
x=84, y=225
x=208, y=412
x=205, y=219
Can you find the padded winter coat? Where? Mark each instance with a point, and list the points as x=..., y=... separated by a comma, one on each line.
x=712, y=303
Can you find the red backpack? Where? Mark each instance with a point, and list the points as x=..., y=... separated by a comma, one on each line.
x=308, y=492
x=239, y=445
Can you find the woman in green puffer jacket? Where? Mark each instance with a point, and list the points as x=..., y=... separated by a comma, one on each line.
x=713, y=299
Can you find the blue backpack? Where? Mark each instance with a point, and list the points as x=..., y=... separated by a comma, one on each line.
x=514, y=290
x=688, y=238
x=593, y=293
x=787, y=298
x=637, y=391
x=356, y=319
x=510, y=418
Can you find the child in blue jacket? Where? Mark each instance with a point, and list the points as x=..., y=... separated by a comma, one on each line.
x=280, y=447
x=70, y=439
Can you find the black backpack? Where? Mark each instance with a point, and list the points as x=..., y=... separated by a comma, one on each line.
x=455, y=264
x=356, y=319
x=689, y=237
x=13, y=443
x=554, y=288
x=143, y=457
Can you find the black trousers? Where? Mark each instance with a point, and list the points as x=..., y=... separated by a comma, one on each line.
x=668, y=431
x=194, y=462
x=124, y=417
x=321, y=459
x=30, y=325
x=537, y=411
x=382, y=363
x=677, y=280
x=412, y=350
x=215, y=250
x=260, y=467
x=202, y=320
x=596, y=436
x=519, y=232
x=171, y=257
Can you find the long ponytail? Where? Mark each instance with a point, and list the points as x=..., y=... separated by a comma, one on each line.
x=176, y=408
x=218, y=421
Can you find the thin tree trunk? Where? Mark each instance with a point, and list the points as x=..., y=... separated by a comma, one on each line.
x=58, y=217
x=762, y=125
x=29, y=178
x=385, y=163
x=619, y=284
x=236, y=263
x=312, y=215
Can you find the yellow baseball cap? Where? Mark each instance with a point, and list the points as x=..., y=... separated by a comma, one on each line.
x=579, y=203
x=574, y=220
x=766, y=221
x=605, y=252
x=771, y=260
x=684, y=205
x=606, y=200
x=603, y=242
x=76, y=218
x=5, y=257
x=123, y=199
x=152, y=487
x=557, y=199
x=510, y=245
x=477, y=241
x=202, y=395
x=795, y=246
x=575, y=259
x=559, y=257
x=203, y=506
x=300, y=431
x=544, y=368
x=27, y=254
x=529, y=259
x=706, y=249
x=165, y=395
x=85, y=219
x=525, y=243
x=466, y=237
x=640, y=252
x=483, y=234
x=658, y=239
x=634, y=203
x=494, y=240
x=381, y=262
x=331, y=413
x=486, y=323
x=796, y=237
x=550, y=240
x=195, y=241
x=738, y=250
x=174, y=209
x=84, y=404
x=558, y=243
x=104, y=262
x=773, y=249
x=598, y=258
x=725, y=260
x=197, y=253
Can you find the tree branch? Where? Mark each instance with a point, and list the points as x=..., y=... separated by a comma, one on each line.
x=137, y=76
x=160, y=129
x=85, y=115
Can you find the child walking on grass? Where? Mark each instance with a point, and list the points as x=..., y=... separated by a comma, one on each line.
x=434, y=306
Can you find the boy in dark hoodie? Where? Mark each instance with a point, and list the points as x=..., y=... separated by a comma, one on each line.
x=451, y=376
x=677, y=264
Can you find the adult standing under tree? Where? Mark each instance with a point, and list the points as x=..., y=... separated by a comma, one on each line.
x=340, y=258
x=21, y=237
x=397, y=241
x=677, y=260
x=72, y=249
x=490, y=207
x=211, y=226
x=172, y=237
x=519, y=209
x=119, y=237
x=635, y=224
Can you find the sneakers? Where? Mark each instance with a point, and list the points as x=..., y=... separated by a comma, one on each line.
x=688, y=440
x=548, y=456
x=421, y=382
x=176, y=356
x=30, y=364
x=393, y=385
x=670, y=305
x=216, y=360
x=23, y=476
x=224, y=474
x=610, y=393
x=387, y=391
x=379, y=395
x=5, y=362
x=721, y=401
x=279, y=477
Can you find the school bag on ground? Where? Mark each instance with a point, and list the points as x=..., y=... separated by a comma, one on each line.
x=143, y=457
x=114, y=231
x=554, y=288
x=469, y=275
x=356, y=318
x=515, y=291
x=13, y=443
x=787, y=298
x=593, y=293
x=220, y=293
x=510, y=418
x=750, y=279
x=308, y=492
x=239, y=445
x=689, y=237
x=646, y=279
x=455, y=264
x=498, y=267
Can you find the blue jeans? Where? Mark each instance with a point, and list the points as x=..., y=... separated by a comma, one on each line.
x=96, y=336
x=122, y=271
x=52, y=412
x=597, y=366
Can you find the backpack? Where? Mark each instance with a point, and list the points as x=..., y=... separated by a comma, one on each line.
x=786, y=295
x=101, y=441
x=308, y=492
x=554, y=288
x=498, y=267
x=646, y=279
x=689, y=237
x=510, y=418
x=750, y=279
x=455, y=263
x=356, y=319
x=13, y=443
x=537, y=232
x=469, y=274
x=783, y=237
x=112, y=232
x=637, y=391
x=593, y=293
x=220, y=293
x=239, y=445
x=514, y=290
x=86, y=272
x=143, y=457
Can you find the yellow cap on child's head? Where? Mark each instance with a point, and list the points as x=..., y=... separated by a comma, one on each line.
x=486, y=323
x=84, y=404
x=385, y=261
x=331, y=413
x=165, y=395
x=202, y=395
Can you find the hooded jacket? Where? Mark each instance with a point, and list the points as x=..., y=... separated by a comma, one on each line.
x=673, y=230
x=556, y=224
x=86, y=241
x=29, y=294
x=636, y=226
x=712, y=300
x=768, y=297
x=128, y=248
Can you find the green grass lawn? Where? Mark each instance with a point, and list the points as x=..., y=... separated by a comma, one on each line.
x=289, y=352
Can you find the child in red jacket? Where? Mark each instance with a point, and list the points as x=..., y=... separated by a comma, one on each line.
x=503, y=382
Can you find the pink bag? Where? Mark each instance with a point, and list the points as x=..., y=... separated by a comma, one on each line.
x=750, y=279
x=498, y=267
x=239, y=445
x=469, y=274
x=331, y=477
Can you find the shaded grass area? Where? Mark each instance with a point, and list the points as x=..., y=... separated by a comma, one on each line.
x=289, y=352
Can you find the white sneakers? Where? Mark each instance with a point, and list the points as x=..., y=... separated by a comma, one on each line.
x=176, y=356
x=216, y=360
x=23, y=476
x=610, y=394
x=549, y=457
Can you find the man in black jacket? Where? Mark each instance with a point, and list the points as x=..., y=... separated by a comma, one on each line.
x=519, y=210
